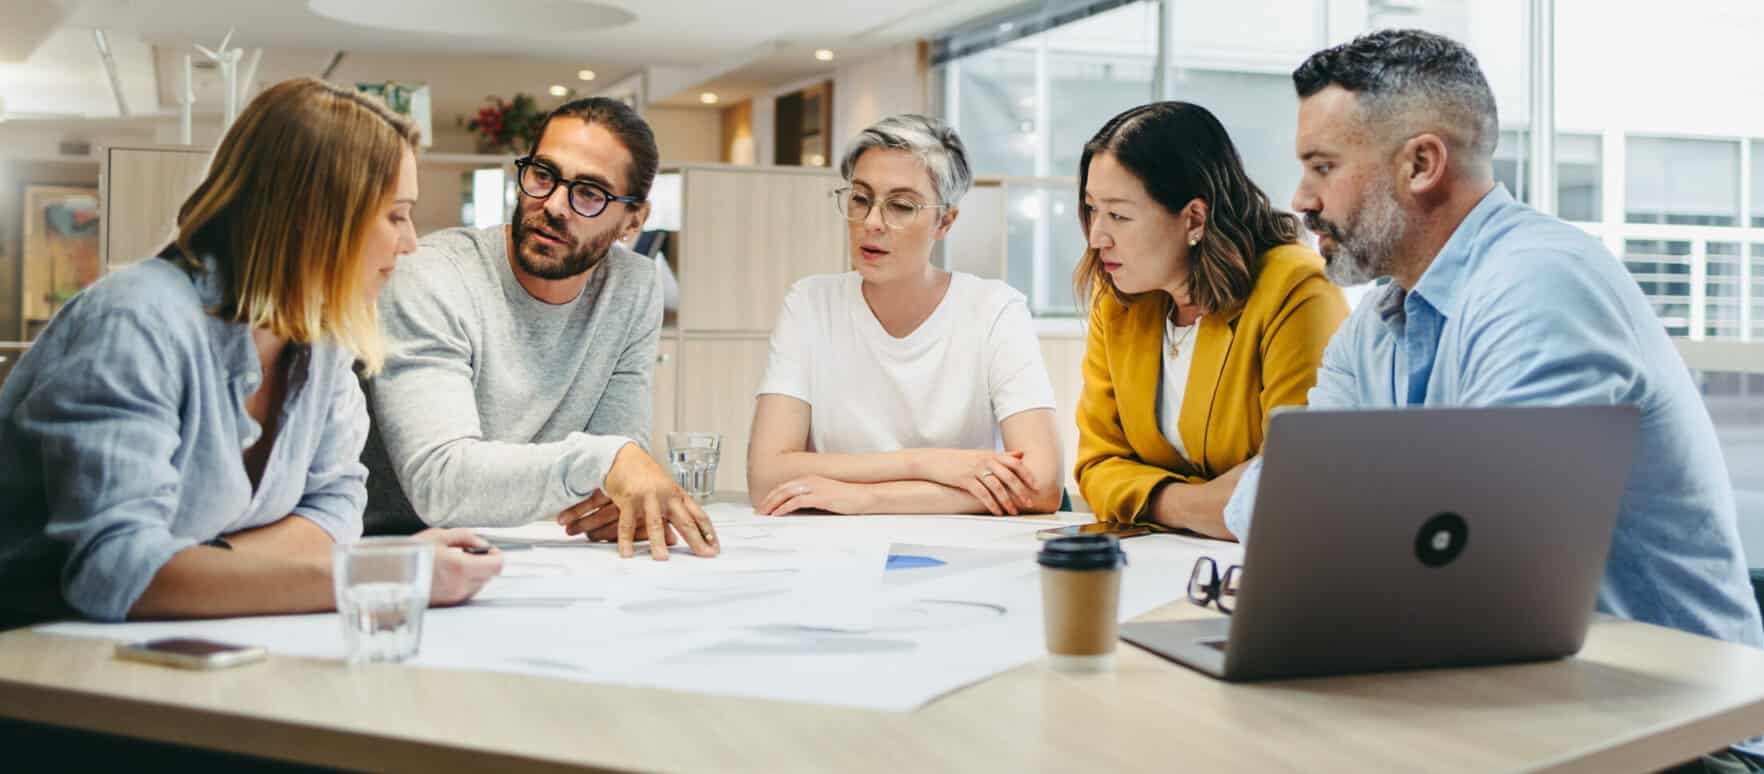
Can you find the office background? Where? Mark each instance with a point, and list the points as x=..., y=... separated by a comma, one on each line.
x=1652, y=116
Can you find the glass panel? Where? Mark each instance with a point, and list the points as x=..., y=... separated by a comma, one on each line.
x=1086, y=71
x=1757, y=259
x=1663, y=269
x=1512, y=167
x=1260, y=112
x=1580, y=176
x=1736, y=404
x=995, y=110
x=1096, y=67
x=1045, y=245
x=1237, y=60
x=1680, y=181
x=1721, y=304
x=1758, y=183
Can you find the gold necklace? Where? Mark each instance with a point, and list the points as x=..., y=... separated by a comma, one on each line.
x=1176, y=344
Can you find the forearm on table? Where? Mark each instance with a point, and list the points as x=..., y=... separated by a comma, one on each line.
x=1199, y=507
x=767, y=471
x=476, y=483
x=922, y=497
x=210, y=582
x=289, y=536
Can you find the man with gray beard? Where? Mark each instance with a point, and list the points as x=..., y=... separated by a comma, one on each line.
x=1489, y=303
x=517, y=381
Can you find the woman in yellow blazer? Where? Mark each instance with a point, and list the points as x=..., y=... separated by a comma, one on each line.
x=1205, y=315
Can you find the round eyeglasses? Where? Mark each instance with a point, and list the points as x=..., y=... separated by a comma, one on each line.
x=1207, y=586
x=538, y=179
x=897, y=212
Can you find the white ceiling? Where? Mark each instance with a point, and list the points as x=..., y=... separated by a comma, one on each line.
x=465, y=49
x=661, y=32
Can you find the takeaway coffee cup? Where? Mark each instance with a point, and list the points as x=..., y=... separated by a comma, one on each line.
x=1080, y=597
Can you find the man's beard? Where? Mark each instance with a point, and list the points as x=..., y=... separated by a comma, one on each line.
x=552, y=267
x=1363, y=250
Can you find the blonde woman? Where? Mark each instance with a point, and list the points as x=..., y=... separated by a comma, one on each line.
x=183, y=440
x=900, y=387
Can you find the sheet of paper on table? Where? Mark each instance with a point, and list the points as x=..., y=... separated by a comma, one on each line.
x=796, y=608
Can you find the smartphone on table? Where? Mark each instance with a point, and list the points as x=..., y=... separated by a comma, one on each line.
x=1119, y=530
x=190, y=653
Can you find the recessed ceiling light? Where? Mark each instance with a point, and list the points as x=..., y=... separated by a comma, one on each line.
x=824, y=54
x=1006, y=27
x=708, y=98
x=558, y=91
x=586, y=75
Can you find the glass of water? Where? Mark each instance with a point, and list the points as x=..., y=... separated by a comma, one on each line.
x=382, y=587
x=694, y=459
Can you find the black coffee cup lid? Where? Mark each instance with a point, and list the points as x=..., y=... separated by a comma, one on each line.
x=1083, y=552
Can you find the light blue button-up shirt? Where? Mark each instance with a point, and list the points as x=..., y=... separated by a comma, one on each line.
x=122, y=432
x=1521, y=309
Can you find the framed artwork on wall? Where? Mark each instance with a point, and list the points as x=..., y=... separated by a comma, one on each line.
x=60, y=250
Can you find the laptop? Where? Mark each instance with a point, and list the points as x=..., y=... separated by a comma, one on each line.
x=1416, y=538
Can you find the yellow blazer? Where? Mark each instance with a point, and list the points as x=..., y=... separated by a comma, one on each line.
x=1264, y=355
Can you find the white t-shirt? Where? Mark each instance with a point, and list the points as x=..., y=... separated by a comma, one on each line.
x=1174, y=381
x=975, y=361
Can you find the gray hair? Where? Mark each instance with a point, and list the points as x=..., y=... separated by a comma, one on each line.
x=930, y=140
x=1408, y=79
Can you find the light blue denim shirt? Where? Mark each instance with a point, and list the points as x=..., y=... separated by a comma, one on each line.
x=122, y=431
x=1521, y=309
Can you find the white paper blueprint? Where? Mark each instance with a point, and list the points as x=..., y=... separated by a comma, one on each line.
x=876, y=612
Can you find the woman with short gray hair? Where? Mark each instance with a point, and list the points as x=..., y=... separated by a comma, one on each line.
x=900, y=387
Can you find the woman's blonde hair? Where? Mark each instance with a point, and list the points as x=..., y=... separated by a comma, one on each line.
x=285, y=207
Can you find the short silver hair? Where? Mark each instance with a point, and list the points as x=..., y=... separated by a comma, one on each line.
x=930, y=140
x=1406, y=80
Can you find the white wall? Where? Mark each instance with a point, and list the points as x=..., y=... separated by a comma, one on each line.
x=867, y=91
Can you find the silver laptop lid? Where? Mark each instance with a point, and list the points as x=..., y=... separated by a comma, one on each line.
x=1410, y=538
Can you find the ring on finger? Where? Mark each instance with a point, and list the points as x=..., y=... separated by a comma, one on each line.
x=986, y=473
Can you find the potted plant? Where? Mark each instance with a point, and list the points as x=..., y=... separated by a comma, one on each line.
x=505, y=127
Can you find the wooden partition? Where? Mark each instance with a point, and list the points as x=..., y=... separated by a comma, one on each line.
x=140, y=191
x=746, y=235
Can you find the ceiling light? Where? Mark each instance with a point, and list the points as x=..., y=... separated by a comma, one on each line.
x=586, y=75
x=824, y=54
x=1006, y=27
x=708, y=98
x=558, y=91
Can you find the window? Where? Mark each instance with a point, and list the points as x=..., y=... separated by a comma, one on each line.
x=1676, y=176
x=1025, y=107
x=1757, y=183
x=1663, y=269
x=1681, y=181
x=995, y=112
x=1721, y=290
x=1757, y=288
x=1580, y=178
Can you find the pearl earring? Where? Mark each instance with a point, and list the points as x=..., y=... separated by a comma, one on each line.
x=1192, y=241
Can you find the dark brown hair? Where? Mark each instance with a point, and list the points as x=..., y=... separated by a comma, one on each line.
x=1180, y=152
x=625, y=124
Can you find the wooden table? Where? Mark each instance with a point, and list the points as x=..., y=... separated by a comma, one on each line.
x=1637, y=698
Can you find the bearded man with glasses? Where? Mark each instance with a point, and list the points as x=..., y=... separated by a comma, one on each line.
x=517, y=383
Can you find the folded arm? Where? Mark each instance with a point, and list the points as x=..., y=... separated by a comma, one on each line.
x=906, y=481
